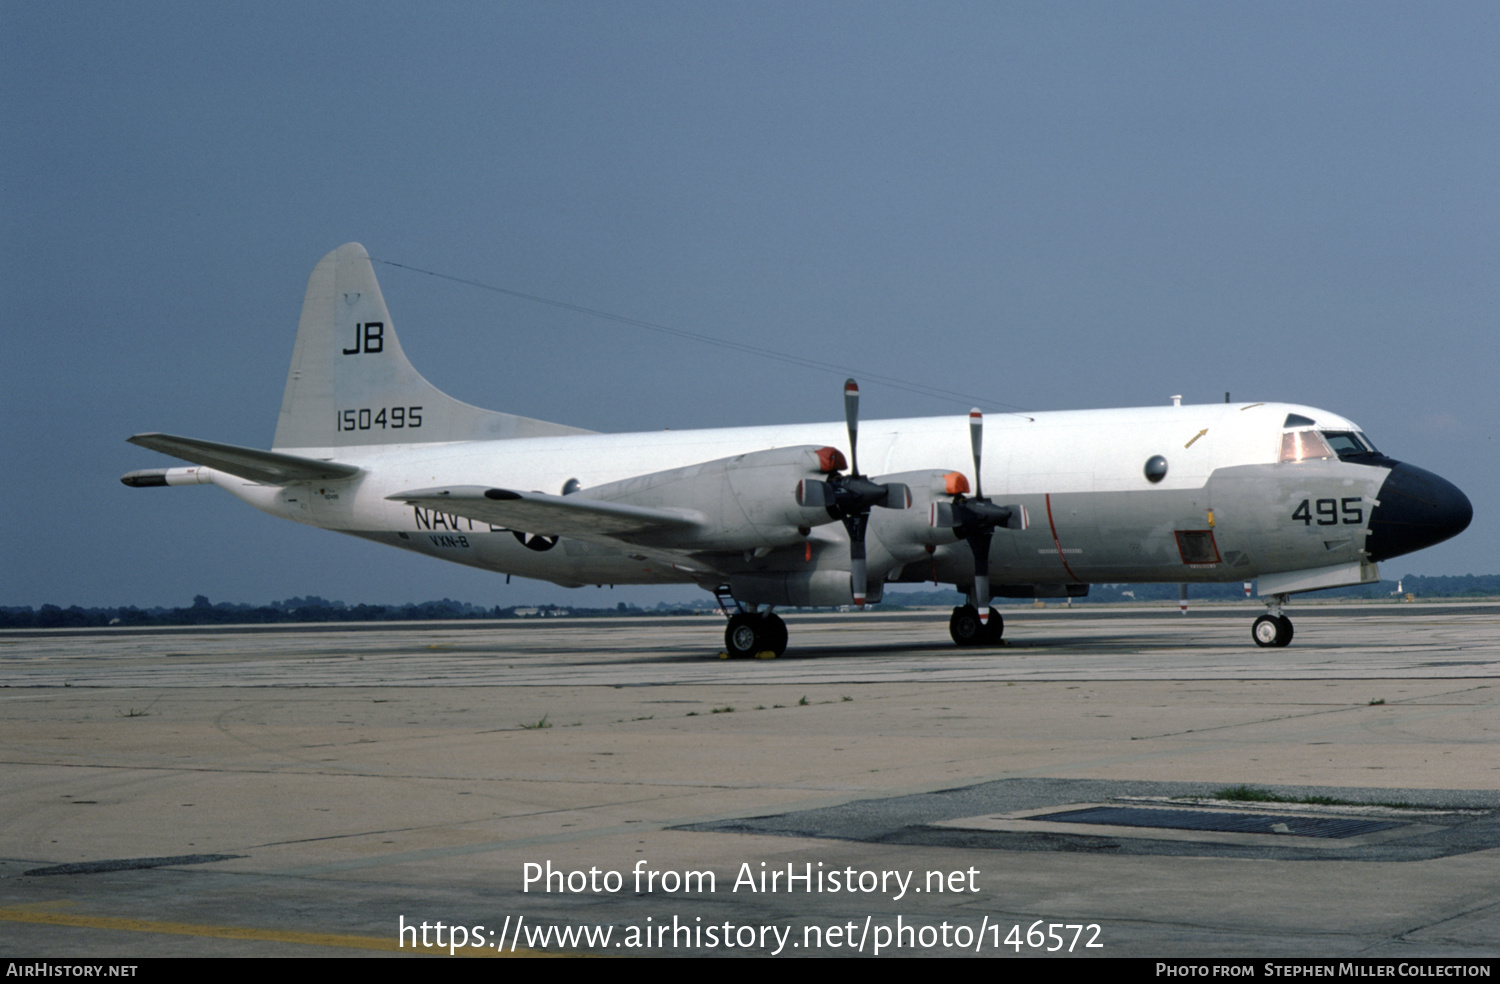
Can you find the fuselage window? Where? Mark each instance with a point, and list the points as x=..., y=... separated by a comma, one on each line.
x=1303, y=445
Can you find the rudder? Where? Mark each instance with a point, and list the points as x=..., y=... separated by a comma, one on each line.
x=350, y=385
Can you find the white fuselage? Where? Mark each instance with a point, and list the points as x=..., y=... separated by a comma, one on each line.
x=1094, y=514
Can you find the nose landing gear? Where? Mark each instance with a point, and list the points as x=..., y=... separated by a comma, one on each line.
x=1272, y=630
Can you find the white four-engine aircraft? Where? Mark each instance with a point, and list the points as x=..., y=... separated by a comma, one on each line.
x=1295, y=497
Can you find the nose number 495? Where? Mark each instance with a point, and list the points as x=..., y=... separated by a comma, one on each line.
x=1349, y=511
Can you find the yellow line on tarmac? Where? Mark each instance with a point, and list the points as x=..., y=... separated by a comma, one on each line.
x=45, y=918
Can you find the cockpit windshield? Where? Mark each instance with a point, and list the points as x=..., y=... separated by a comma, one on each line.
x=1303, y=445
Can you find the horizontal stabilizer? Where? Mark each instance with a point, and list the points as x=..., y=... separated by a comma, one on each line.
x=549, y=515
x=266, y=467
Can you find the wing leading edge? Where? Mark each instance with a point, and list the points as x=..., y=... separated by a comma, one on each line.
x=747, y=502
x=551, y=515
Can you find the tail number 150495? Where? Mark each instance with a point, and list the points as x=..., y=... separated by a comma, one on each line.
x=393, y=418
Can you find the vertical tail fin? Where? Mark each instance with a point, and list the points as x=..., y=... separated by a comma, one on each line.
x=350, y=385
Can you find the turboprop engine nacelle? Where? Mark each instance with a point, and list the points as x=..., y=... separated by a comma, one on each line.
x=825, y=588
x=898, y=538
x=742, y=503
x=942, y=513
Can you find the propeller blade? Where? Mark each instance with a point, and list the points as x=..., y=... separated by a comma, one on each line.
x=851, y=497
x=858, y=578
x=976, y=443
x=980, y=544
x=851, y=417
x=979, y=517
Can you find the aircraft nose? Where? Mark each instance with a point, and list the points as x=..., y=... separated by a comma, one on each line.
x=1417, y=509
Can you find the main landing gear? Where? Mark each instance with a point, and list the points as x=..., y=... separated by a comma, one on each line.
x=1272, y=630
x=967, y=630
x=759, y=634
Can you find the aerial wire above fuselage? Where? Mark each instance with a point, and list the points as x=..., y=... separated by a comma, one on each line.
x=818, y=365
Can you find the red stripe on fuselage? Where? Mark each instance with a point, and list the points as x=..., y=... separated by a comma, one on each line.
x=1058, y=543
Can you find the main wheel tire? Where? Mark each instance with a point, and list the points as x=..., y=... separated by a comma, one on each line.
x=775, y=636
x=752, y=633
x=743, y=637
x=994, y=629
x=965, y=627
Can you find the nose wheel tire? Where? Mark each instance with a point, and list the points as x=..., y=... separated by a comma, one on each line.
x=753, y=633
x=967, y=630
x=1272, y=631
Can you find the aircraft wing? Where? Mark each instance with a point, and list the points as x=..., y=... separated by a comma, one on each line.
x=550, y=515
x=266, y=467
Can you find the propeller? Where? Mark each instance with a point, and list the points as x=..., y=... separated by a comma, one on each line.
x=975, y=519
x=849, y=498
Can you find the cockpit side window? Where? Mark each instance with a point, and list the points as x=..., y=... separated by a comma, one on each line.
x=1347, y=444
x=1303, y=445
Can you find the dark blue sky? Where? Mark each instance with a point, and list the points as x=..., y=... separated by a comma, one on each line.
x=1048, y=205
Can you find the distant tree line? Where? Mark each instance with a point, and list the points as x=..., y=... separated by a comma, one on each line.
x=315, y=609
x=298, y=610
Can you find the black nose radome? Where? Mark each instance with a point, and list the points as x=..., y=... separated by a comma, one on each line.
x=1417, y=509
